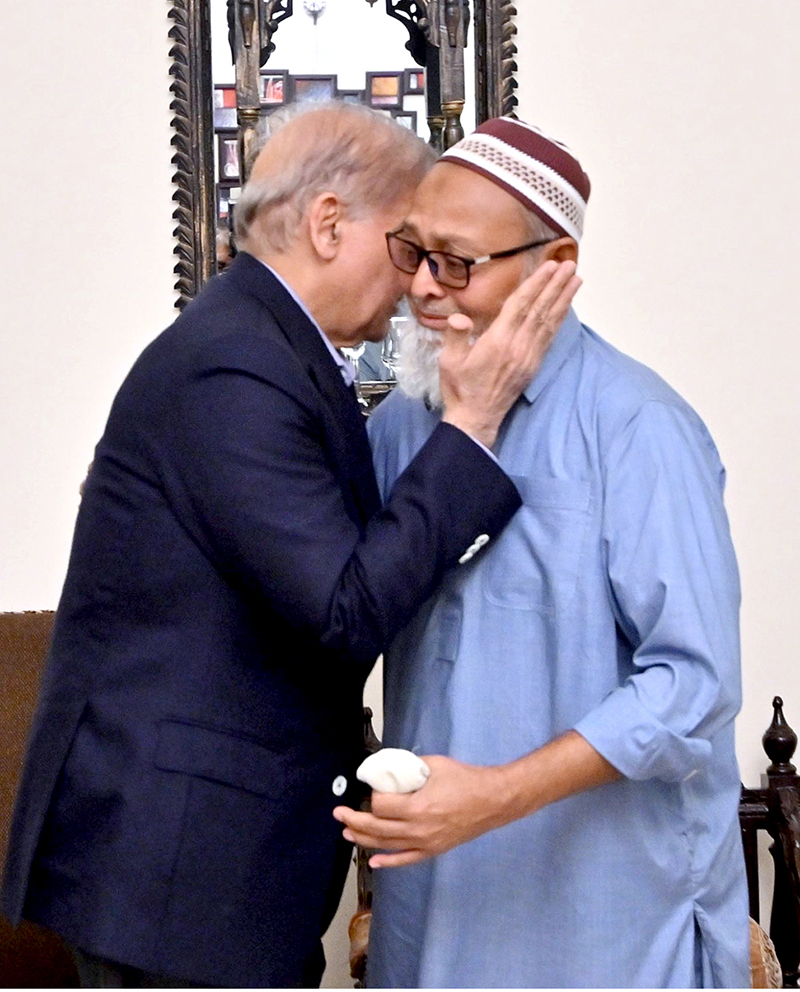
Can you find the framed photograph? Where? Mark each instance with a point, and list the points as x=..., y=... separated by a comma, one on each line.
x=272, y=87
x=228, y=150
x=413, y=81
x=223, y=204
x=406, y=118
x=384, y=89
x=225, y=105
x=306, y=89
x=352, y=96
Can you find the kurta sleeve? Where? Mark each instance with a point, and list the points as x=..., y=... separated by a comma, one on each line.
x=674, y=586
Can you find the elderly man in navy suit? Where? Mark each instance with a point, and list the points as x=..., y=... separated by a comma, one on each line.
x=233, y=578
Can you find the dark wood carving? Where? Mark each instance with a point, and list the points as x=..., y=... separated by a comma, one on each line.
x=775, y=807
x=191, y=88
x=784, y=926
x=495, y=58
x=359, y=925
x=413, y=15
x=274, y=12
x=192, y=140
x=452, y=27
x=438, y=35
x=779, y=742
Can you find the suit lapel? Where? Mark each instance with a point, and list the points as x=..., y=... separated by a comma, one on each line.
x=349, y=436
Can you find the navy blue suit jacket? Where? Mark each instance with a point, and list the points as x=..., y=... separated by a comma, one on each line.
x=231, y=582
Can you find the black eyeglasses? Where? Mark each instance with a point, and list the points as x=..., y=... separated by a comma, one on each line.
x=448, y=270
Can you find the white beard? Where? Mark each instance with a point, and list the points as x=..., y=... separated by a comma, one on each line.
x=418, y=371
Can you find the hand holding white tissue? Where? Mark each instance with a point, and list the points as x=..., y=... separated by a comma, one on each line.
x=392, y=769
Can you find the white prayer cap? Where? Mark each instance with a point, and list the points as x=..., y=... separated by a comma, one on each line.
x=539, y=171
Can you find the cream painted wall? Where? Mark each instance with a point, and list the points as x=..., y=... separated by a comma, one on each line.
x=684, y=116
x=86, y=279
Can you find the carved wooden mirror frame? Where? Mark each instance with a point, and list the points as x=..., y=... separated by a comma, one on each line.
x=193, y=124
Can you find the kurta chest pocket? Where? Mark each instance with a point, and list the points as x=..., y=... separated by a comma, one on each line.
x=535, y=563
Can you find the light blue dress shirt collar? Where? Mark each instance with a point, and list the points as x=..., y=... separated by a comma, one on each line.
x=345, y=367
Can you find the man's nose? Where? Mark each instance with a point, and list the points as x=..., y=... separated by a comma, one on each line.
x=423, y=283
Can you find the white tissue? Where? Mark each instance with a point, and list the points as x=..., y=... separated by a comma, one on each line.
x=393, y=769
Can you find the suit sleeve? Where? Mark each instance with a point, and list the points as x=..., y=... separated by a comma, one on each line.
x=247, y=458
x=674, y=586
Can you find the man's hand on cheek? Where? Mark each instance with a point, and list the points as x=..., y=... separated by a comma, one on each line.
x=482, y=379
x=456, y=804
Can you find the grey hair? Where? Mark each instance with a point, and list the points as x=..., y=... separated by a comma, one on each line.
x=363, y=156
x=538, y=230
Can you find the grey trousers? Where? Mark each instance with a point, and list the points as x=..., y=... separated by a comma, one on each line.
x=100, y=973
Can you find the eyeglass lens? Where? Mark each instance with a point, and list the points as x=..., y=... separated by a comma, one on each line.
x=445, y=269
x=404, y=255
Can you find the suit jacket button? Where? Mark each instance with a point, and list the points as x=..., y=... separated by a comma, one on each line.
x=339, y=785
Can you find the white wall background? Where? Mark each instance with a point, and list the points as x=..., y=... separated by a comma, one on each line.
x=86, y=279
x=683, y=114
x=349, y=38
x=685, y=117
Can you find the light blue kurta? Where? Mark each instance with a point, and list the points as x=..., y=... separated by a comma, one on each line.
x=608, y=605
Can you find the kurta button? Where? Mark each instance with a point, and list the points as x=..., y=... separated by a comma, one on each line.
x=339, y=785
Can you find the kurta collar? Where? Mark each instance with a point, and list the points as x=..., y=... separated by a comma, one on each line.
x=565, y=342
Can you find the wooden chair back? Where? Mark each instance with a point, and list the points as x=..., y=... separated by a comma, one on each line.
x=30, y=956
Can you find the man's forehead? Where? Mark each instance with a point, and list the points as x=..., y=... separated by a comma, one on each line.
x=454, y=205
x=426, y=226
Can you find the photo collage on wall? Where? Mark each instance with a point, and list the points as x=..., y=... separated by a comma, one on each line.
x=385, y=92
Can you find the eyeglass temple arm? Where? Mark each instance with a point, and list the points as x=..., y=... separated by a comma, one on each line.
x=511, y=251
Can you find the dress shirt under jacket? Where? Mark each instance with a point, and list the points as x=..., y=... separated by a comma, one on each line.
x=345, y=367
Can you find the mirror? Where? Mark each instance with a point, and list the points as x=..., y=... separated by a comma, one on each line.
x=437, y=66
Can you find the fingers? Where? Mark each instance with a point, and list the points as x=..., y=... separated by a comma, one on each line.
x=564, y=301
x=461, y=323
x=397, y=860
x=375, y=832
x=382, y=838
x=542, y=307
x=395, y=850
x=529, y=342
x=517, y=307
x=386, y=805
x=372, y=831
x=554, y=301
x=539, y=301
x=456, y=336
x=394, y=805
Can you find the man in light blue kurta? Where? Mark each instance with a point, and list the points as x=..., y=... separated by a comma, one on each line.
x=606, y=611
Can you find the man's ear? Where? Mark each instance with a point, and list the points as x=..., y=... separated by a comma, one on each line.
x=562, y=250
x=324, y=223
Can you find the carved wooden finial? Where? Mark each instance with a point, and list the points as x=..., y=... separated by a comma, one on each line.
x=371, y=742
x=779, y=742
